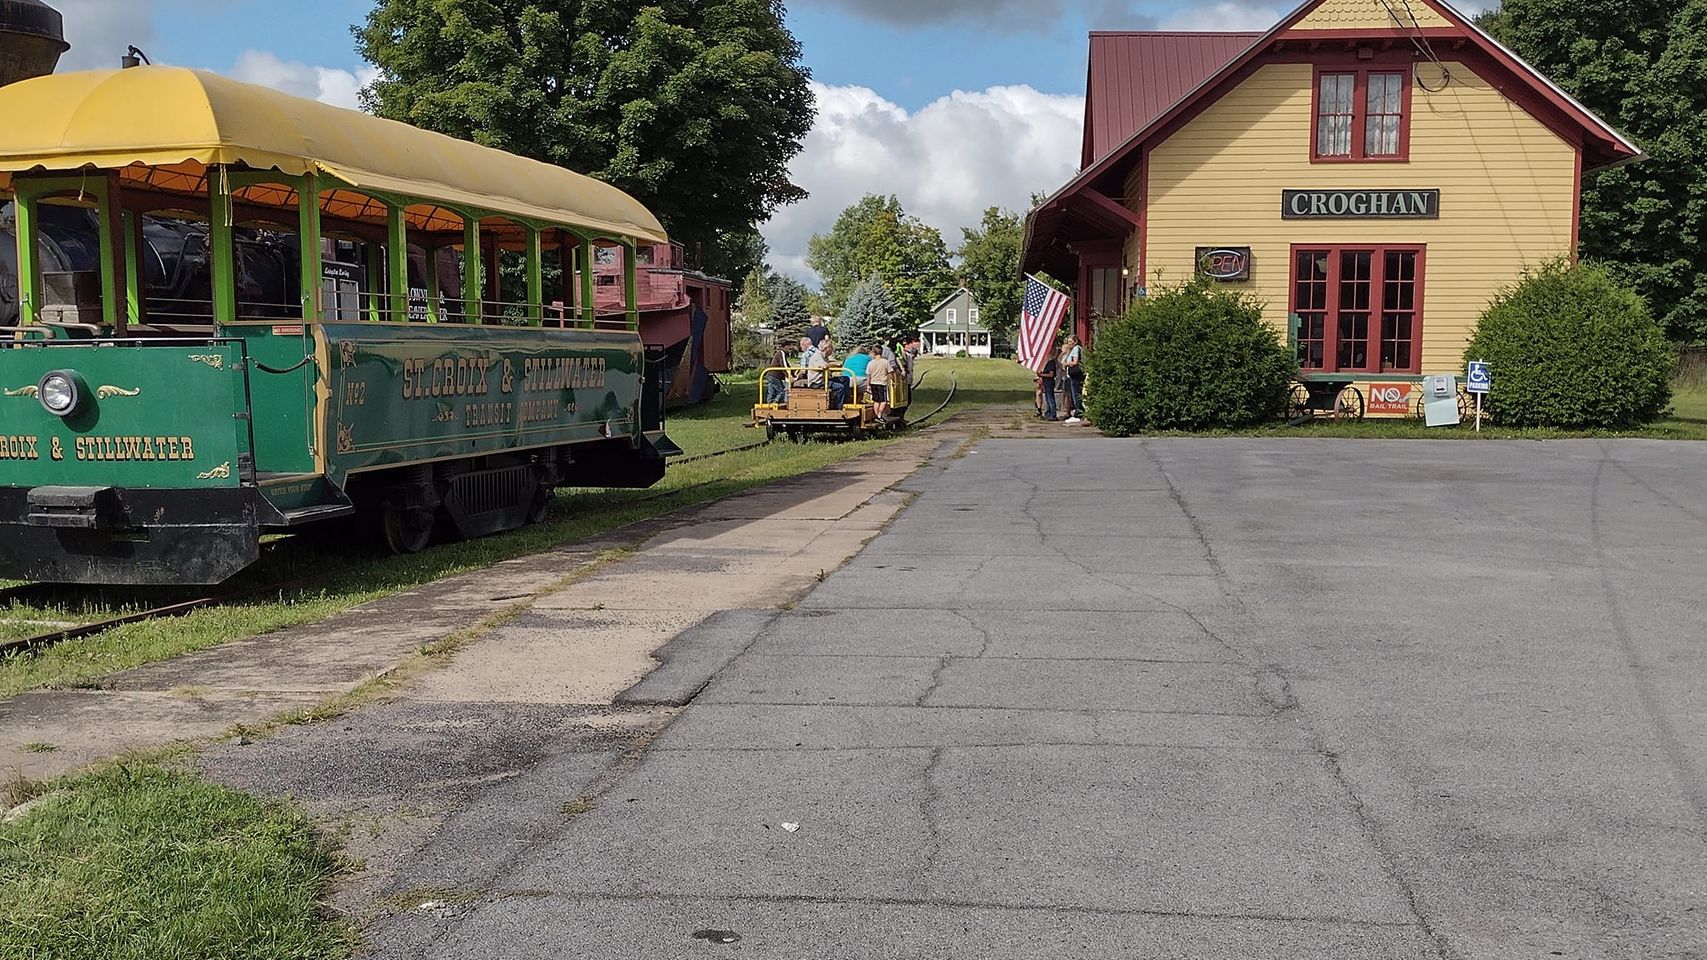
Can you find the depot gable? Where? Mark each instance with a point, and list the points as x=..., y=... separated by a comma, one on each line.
x=1371, y=15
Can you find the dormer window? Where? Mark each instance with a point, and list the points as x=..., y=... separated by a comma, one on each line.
x=1361, y=115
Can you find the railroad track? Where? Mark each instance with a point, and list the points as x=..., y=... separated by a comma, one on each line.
x=60, y=634
x=60, y=630
x=40, y=594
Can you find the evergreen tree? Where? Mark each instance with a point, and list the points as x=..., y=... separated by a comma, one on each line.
x=1641, y=64
x=871, y=316
x=789, y=313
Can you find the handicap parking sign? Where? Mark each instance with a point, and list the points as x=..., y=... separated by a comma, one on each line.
x=1478, y=381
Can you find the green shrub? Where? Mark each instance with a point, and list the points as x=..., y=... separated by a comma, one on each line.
x=1569, y=347
x=751, y=351
x=1188, y=358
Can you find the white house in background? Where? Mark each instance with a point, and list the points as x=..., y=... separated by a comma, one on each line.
x=954, y=327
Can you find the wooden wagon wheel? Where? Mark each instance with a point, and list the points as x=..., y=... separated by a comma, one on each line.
x=1297, y=402
x=1349, y=404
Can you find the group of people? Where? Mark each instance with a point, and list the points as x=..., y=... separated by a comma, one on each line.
x=868, y=371
x=1063, y=374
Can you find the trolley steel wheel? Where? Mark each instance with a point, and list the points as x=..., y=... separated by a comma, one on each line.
x=540, y=507
x=770, y=430
x=1349, y=405
x=406, y=531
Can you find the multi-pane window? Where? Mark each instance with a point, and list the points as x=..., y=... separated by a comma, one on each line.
x=1399, y=310
x=1310, y=303
x=1351, y=312
x=1334, y=114
x=1358, y=309
x=1384, y=112
x=1361, y=115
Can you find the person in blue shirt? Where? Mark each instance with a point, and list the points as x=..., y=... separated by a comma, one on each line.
x=855, y=365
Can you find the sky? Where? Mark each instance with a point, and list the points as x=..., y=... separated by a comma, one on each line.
x=952, y=105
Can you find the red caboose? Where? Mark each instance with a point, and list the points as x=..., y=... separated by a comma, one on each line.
x=683, y=312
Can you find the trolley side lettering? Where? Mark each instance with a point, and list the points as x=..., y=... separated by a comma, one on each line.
x=18, y=448
x=135, y=448
x=445, y=377
x=562, y=373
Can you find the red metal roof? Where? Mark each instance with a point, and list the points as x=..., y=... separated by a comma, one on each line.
x=1135, y=77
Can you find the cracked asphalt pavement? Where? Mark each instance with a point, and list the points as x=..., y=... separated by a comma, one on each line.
x=1171, y=699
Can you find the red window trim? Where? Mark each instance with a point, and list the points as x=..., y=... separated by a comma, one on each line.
x=1377, y=274
x=1360, y=111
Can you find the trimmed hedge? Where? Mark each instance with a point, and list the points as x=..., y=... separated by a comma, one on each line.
x=1193, y=357
x=1570, y=347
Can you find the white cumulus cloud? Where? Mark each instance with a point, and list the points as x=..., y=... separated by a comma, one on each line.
x=327, y=84
x=946, y=162
x=1226, y=16
x=100, y=31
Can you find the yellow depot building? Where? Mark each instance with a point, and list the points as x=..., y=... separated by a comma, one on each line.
x=1372, y=170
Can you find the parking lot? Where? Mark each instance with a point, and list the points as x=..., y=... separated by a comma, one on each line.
x=1178, y=698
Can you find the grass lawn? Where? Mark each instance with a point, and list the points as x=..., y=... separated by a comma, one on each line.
x=138, y=862
x=337, y=581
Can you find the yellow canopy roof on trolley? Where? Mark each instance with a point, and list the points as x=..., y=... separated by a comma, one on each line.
x=178, y=122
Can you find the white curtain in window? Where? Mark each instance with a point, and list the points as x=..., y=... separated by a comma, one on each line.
x=1334, y=114
x=1386, y=104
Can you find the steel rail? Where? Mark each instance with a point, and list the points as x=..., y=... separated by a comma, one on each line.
x=62, y=634
x=27, y=592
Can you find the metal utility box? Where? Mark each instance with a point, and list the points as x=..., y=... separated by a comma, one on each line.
x=1440, y=401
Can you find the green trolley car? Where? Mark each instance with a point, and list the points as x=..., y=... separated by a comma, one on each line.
x=408, y=370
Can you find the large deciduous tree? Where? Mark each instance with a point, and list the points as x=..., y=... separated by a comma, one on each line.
x=989, y=267
x=1642, y=64
x=876, y=236
x=753, y=303
x=693, y=106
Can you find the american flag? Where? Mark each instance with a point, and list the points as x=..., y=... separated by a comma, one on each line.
x=1041, y=317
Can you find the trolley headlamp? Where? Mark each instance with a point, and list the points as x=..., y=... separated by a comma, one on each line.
x=61, y=392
